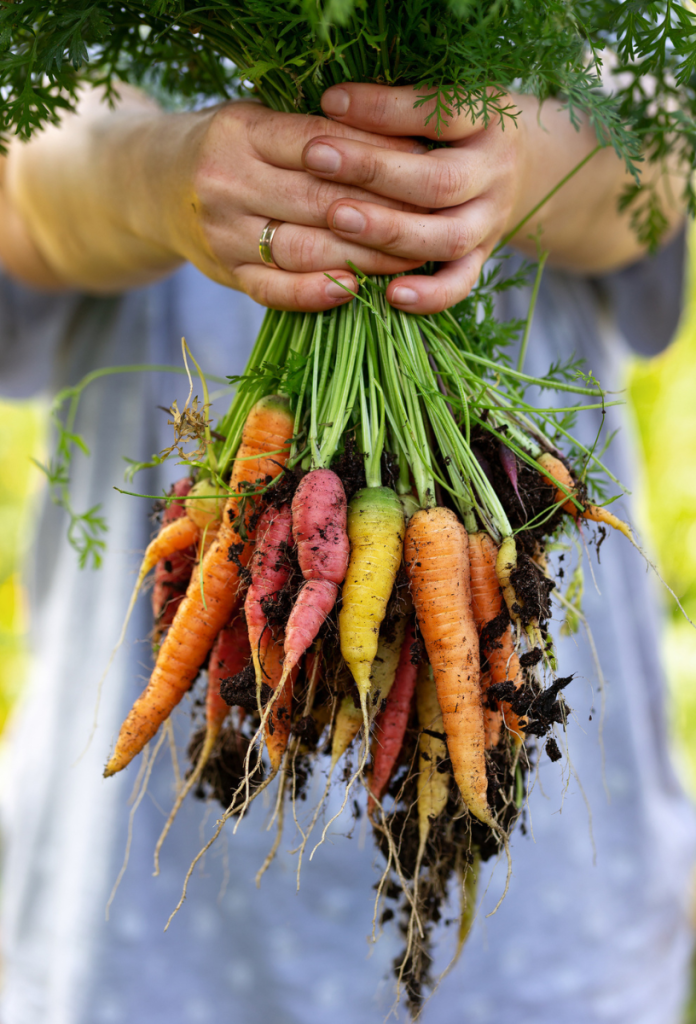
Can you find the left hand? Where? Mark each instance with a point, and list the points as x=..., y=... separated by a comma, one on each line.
x=469, y=191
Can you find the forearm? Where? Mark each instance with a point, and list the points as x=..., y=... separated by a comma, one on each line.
x=99, y=198
x=581, y=226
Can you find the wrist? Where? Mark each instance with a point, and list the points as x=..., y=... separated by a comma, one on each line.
x=528, y=108
x=153, y=179
x=94, y=195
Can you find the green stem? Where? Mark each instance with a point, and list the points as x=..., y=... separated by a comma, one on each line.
x=530, y=312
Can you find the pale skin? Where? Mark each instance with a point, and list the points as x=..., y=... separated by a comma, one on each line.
x=111, y=200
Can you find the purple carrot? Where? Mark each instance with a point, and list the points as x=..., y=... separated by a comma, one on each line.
x=509, y=464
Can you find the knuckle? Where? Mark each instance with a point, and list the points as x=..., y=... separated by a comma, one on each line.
x=392, y=234
x=458, y=240
x=320, y=195
x=368, y=168
x=299, y=251
x=381, y=108
x=446, y=183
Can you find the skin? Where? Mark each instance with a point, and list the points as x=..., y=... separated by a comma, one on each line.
x=116, y=199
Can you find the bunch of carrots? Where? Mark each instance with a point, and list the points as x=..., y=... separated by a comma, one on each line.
x=406, y=619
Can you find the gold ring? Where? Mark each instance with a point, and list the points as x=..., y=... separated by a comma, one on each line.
x=266, y=242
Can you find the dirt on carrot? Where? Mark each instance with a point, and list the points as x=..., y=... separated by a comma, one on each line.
x=542, y=707
x=535, y=495
x=350, y=468
x=225, y=768
x=533, y=589
x=240, y=690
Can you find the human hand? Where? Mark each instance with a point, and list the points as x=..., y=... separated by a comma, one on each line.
x=246, y=169
x=468, y=192
x=114, y=199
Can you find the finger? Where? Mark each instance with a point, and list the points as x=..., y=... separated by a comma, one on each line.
x=294, y=196
x=449, y=285
x=390, y=110
x=303, y=250
x=296, y=247
x=279, y=138
x=444, y=177
x=442, y=236
x=279, y=289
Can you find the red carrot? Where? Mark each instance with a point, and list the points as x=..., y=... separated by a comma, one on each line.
x=319, y=528
x=270, y=571
x=172, y=574
x=390, y=724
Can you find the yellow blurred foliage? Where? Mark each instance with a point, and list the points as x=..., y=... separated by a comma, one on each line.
x=22, y=429
x=663, y=395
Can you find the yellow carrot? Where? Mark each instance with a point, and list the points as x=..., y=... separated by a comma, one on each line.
x=346, y=728
x=376, y=533
x=433, y=785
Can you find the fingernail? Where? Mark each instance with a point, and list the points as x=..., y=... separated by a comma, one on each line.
x=322, y=158
x=404, y=296
x=418, y=148
x=335, y=102
x=334, y=291
x=347, y=218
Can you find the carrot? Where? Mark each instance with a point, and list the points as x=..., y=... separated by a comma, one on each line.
x=386, y=661
x=349, y=718
x=432, y=784
x=177, y=535
x=212, y=594
x=319, y=529
x=280, y=719
x=437, y=562
x=270, y=571
x=492, y=720
x=390, y=724
x=558, y=476
x=506, y=563
x=229, y=656
x=468, y=884
x=376, y=534
x=205, y=504
x=176, y=509
x=173, y=572
x=487, y=604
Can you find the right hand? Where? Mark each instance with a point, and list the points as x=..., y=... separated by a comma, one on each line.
x=240, y=166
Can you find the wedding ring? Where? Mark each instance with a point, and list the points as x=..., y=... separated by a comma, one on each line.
x=266, y=242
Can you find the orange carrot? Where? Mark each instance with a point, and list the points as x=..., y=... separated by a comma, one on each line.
x=390, y=724
x=175, y=536
x=437, y=561
x=280, y=719
x=556, y=473
x=487, y=604
x=230, y=654
x=213, y=592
